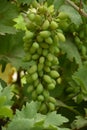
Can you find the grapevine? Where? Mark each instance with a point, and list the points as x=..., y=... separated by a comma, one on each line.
x=41, y=45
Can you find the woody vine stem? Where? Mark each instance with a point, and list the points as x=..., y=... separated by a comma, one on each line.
x=79, y=9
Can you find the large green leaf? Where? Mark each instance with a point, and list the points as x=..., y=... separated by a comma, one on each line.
x=71, y=50
x=8, y=11
x=72, y=13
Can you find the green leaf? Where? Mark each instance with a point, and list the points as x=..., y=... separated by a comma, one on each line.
x=21, y=124
x=5, y=111
x=54, y=119
x=71, y=50
x=72, y=13
x=28, y=111
x=80, y=77
x=58, y=3
x=8, y=11
x=79, y=122
x=20, y=23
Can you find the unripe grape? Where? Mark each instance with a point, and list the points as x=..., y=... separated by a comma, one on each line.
x=61, y=36
x=39, y=51
x=44, y=46
x=53, y=25
x=40, y=67
x=51, y=106
x=32, y=69
x=30, y=88
x=36, y=82
x=62, y=15
x=39, y=88
x=35, y=45
x=40, y=98
x=45, y=52
x=35, y=56
x=38, y=19
x=48, y=63
x=49, y=40
x=42, y=9
x=41, y=60
x=41, y=73
x=34, y=95
x=28, y=35
x=59, y=80
x=35, y=4
x=51, y=86
x=47, y=78
x=46, y=94
x=45, y=34
x=46, y=68
x=52, y=99
x=45, y=25
x=31, y=16
x=39, y=38
x=50, y=57
x=34, y=76
x=54, y=74
x=43, y=108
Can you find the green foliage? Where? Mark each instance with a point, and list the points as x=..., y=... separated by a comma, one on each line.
x=46, y=41
x=29, y=118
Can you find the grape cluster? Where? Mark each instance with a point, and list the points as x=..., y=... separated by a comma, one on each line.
x=41, y=47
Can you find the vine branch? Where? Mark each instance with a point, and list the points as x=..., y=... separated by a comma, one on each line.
x=81, y=11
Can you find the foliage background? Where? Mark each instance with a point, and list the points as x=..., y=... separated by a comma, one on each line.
x=71, y=93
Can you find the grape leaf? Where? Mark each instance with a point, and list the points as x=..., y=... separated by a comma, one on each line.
x=58, y=3
x=54, y=119
x=5, y=102
x=79, y=122
x=20, y=24
x=8, y=11
x=72, y=52
x=80, y=77
x=72, y=13
x=29, y=111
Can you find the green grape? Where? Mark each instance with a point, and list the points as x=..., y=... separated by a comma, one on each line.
x=34, y=95
x=43, y=108
x=41, y=73
x=61, y=36
x=35, y=4
x=41, y=60
x=35, y=45
x=51, y=106
x=36, y=83
x=39, y=39
x=46, y=94
x=59, y=80
x=45, y=25
x=40, y=98
x=34, y=76
x=30, y=88
x=53, y=25
x=62, y=15
x=38, y=19
x=47, y=78
x=32, y=69
x=54, y=74
x=45, y=52
x=49, y=40
x=50, y=57
x=28, y=35
x=40, y=67
x=52, y=99
x=84, y=50
x=39, y=51
x=46, y=68
x=44, y=46
x=51, y=86
x=31, y=16
x=35, y=56
x=45, y=34
x=39, y=88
